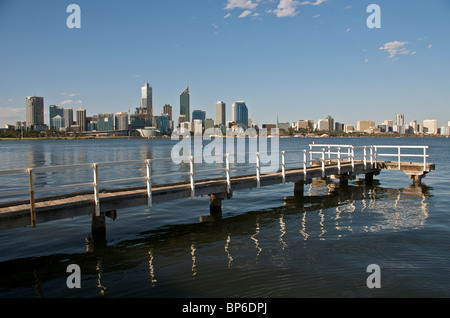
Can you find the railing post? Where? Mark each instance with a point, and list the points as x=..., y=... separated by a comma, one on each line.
x=353, y=158
x=96, y=192
x=32, y=203
x=371, y=157
x=425, y=158
x=305, y=164
x=323, y=162
x=149, y=183
x=399, y=158
x=227, y=165
x=376, y=157
x=339, y=160
x=258, y=171
x=365, y=157
x=283, y=165
x=191, y=163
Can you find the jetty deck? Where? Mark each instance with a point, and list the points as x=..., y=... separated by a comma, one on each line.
x=342, y=162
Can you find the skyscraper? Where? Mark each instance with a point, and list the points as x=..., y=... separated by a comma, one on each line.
x=167, y=109
x=121, y=121
x=220, y=113
x=185, y=103
x=35, y=111
x=54, y=111
x=68, y=117
x=81, y=119
x=199, y=114
x=147, y=99
x=240, y=113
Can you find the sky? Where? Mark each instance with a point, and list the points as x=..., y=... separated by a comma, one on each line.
x=294, y=59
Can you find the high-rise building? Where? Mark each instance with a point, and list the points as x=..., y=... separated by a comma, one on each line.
x=240, y=113
x=363, y=125
x=54, y=111
x=81, y=119
x=105, y=122
x=121, y=121
x=199, y=114
x=400, y=120
x=220, y=113
x=57, y=122
x=431, y=125
x=34, y=111
x=68, y=117
x=185, y=103
x=163, y=123
x=147, y=99
x=167, y=109
x=322, y=124
x=330, y=123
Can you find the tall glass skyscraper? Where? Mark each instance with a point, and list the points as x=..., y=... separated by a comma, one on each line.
x=147, y=99
x=185, y=103
x=53, y=112
x=240, y=113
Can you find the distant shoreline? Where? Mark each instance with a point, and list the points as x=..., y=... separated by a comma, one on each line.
x=161, y=137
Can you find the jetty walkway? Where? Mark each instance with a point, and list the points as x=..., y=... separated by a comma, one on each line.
x=300, y=167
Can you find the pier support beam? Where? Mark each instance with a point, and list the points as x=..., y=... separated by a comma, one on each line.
x=215, y=205
x=98, y=223
x=298, y=189
x=417, y=179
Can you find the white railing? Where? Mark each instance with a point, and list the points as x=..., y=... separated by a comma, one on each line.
x=327, y=154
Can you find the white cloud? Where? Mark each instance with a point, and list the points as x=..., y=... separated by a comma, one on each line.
x=240, y=4
x=227, y=15
x=10, y=115
x=429, y=46
x=245, y=13
x=395, y=48
x=73, y=102
x=286, y=8
x=313, y=3
x=316, y=16
x=347, y=7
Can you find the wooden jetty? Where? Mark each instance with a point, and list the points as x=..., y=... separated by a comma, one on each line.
x=342, y=162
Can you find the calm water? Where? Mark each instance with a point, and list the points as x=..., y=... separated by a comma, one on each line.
x=268, y=244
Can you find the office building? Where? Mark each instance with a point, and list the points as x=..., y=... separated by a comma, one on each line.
x=322, y=125
x=363, y=125
x=199, y=114
x=220, y=113
x=34, y=112
x=81, y=119
x=105, y=122
x=57, y=122
x=121, y=122
x=330, y=123
x=68, y=117
x=430, y=126
x=163, y=124
x=147, y=99
x=185, y=103
x=209, y=123
x=167, y=109
x=54, y=111
x=198, y=127
x=239, y=113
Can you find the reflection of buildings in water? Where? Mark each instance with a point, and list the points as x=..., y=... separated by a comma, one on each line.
x=227, y=244
x=283, y=232
x=99, y=269
x=151, y=269
x=194, y=264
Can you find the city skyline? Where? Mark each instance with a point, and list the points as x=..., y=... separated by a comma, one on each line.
x=301, y=60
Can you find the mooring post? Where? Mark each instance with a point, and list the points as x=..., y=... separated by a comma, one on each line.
x=215, y=205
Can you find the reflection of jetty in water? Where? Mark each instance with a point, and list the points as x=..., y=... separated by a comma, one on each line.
x=328, y=212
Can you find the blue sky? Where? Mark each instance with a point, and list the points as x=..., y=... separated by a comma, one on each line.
x=295, y=59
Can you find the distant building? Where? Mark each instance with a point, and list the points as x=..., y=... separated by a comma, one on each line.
x=35, y=112
x=147, y=99
x=199, y=114
x=220, y=113
x=105, y=122
x=163, y=123
x=349, y=129
x=81, y=119
x=239, y=113
x=54, y=111
x=57, y=122
x=167, y=109
x=431, y=125
x=339, y=126
x=209, y=123
x=185, y=103
x=68, y=117
x=181, y=119
x=363, y=125
x=330, y=123
x=322, y=124
x=121, y=121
